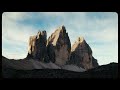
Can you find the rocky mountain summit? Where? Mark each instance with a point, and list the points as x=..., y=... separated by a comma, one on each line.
x=57, y=49
x=59, y=46
x=81, y=55
x=37, y=46
x=55, y=53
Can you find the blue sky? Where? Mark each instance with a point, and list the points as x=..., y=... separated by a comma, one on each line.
x=100, y=30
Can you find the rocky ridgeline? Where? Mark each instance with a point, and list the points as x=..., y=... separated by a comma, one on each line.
x=57, y=49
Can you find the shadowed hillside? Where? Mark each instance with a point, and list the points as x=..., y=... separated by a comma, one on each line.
x=104, y=71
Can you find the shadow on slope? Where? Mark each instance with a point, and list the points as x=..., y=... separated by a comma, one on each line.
x=104, y=71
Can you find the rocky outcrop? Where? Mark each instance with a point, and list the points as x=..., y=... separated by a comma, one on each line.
x=81, y=55
x=37, y=46
x=59, y=46
x=56, y=51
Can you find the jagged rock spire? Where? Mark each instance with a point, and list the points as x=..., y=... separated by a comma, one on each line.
x=37, y=46
x=81, y=55
x=58, y=49
x=59, y=46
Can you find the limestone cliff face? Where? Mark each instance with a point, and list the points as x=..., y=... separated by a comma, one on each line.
x=37, y=46
x=81, y=55
x=57, y=49
x=55, y=53
x=59, y=46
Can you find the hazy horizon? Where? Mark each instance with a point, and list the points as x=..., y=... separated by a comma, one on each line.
x=99, y=29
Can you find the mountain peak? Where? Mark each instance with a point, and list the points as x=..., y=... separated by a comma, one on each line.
x=59, y=46
x=37, y=46
x=58, y=49
x=81, y=55
x=80, y=39
x=41, y=33
x=62, y=27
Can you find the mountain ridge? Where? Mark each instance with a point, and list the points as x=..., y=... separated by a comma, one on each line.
x=55, y=54
x=57, y=49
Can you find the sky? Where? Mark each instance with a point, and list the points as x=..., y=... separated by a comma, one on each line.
x=99, y=29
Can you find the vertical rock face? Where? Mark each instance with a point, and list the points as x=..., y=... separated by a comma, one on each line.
x=59, y=46
x=57, y=49
x=81, y=55
x=37, y=46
